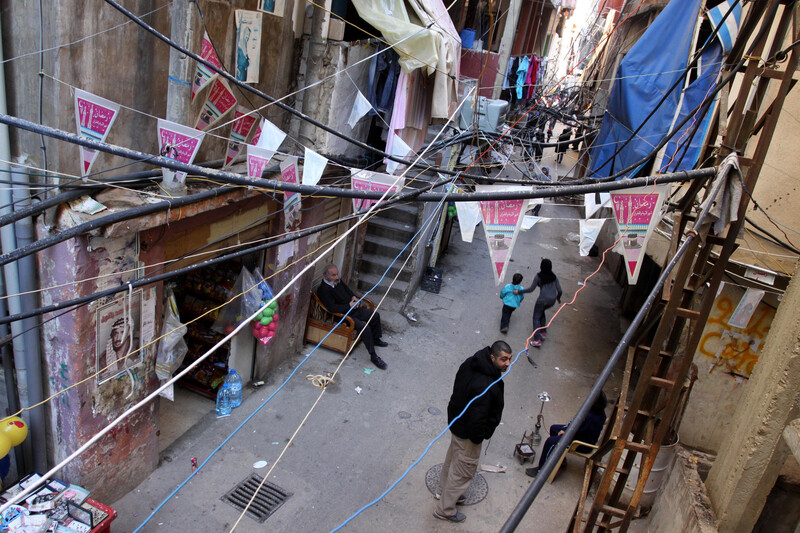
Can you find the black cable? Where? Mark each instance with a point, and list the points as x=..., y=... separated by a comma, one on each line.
x=769, y=236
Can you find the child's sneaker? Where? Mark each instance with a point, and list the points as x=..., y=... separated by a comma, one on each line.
x=543, y=334
x=536, y=344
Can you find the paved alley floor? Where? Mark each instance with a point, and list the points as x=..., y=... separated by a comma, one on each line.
x=372, y=431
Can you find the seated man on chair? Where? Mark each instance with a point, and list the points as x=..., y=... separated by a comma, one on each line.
x=338, y=298
x=589, y=432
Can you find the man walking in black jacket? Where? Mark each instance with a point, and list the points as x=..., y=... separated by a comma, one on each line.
x=338, y=298
x=477, y=424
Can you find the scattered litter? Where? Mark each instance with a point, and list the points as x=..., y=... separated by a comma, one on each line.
x=573, y=237
x=369, y=371
x=276, y=443
x=580, y=284
x=259, y=464
x=358, y=390
x=557, y=368
x=477, y=331
x=411, y=316
x=498, y=469
x=257, y=384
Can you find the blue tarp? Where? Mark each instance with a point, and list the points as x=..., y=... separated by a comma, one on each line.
x=649, y=69
x=677, y=156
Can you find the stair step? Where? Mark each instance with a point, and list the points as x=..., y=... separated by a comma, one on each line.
x=378, y=264
x=397, y=291
x=386, y=246
x=406, y=214
x=382, y=226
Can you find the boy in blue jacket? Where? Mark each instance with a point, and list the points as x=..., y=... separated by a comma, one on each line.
x=510, y=300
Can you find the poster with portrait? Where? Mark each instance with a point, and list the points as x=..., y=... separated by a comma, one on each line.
x=273, y=7
x=119, y=333
x=248, y=45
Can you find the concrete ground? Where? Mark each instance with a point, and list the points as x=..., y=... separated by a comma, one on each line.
x=374, y=429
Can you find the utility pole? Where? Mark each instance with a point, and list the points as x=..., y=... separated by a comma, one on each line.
x=179, y=86
x=316, y=46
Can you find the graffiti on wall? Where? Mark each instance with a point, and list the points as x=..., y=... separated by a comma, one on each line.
x=734, y=350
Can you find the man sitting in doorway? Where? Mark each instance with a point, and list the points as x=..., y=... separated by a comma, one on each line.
x=337, y=297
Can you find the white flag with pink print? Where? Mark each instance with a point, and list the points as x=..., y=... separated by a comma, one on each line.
x=178, y=142
x=94, y=117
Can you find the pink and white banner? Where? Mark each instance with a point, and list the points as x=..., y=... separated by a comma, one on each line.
x=94, y=117
x=180, y=143
x=220, y=101
x=291, y=200
x=204, y=75
x=257, y=160
x=501, y=224
x=637, y=211
x=364, y=180
x=242, y=126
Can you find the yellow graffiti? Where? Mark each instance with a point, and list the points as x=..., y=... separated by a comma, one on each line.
x=735, y=349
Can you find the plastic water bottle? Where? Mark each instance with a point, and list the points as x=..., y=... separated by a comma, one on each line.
x=234, y=381
x=224, y=400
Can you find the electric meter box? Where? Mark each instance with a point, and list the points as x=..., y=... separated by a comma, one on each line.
x=491, y=114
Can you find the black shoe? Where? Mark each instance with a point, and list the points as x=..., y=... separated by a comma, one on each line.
x=503, y=330
x=532, y=472
x=381, y=343
x=458, y=517
x=377, y=361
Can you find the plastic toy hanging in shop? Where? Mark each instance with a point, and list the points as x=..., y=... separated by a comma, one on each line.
x=266, y=322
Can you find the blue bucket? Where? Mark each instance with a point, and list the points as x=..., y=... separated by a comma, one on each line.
x=467, y=38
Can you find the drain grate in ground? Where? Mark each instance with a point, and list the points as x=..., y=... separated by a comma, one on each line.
x=266, y=502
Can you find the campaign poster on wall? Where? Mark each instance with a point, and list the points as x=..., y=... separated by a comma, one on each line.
x=94, y=117
x=637, y=211
x=178, y=142
x=242, y=126
x=248, y=45
x=220, y=100
x=364, y=180
x=118, y=329
x=501, y=225
x=204, y=75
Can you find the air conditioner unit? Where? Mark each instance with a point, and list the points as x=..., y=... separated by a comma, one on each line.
x=491, y=114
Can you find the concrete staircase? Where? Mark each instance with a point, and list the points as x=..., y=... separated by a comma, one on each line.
x=387, y=234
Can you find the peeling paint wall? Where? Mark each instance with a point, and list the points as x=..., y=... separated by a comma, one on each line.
x=725, y=359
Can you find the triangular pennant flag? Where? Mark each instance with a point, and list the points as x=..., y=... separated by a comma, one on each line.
x=591, y=204
x=313, y=166
x=268, y=135
x=257, y=160
x=180, y=143
x=220, y=101
x=399, y=149
x=204, y=75
x=364, y=180
x=242, y=126
x=501, y=224
x=361, y=107
x=94, y=117
x=637, y=211
x=291, y=200
x=590, y=229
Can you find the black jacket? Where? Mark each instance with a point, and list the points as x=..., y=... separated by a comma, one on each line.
x=335, y=300
x=480, y=420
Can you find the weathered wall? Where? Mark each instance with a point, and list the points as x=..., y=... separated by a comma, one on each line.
x=682, y=504
x=123, y=63
x=725, y=359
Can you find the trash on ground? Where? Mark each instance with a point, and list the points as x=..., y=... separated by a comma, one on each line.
x=358, y=390
x=369, y=370
x=498, y=469
x=259, y=464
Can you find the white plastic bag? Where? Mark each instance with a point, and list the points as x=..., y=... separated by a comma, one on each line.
x=171, y=348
